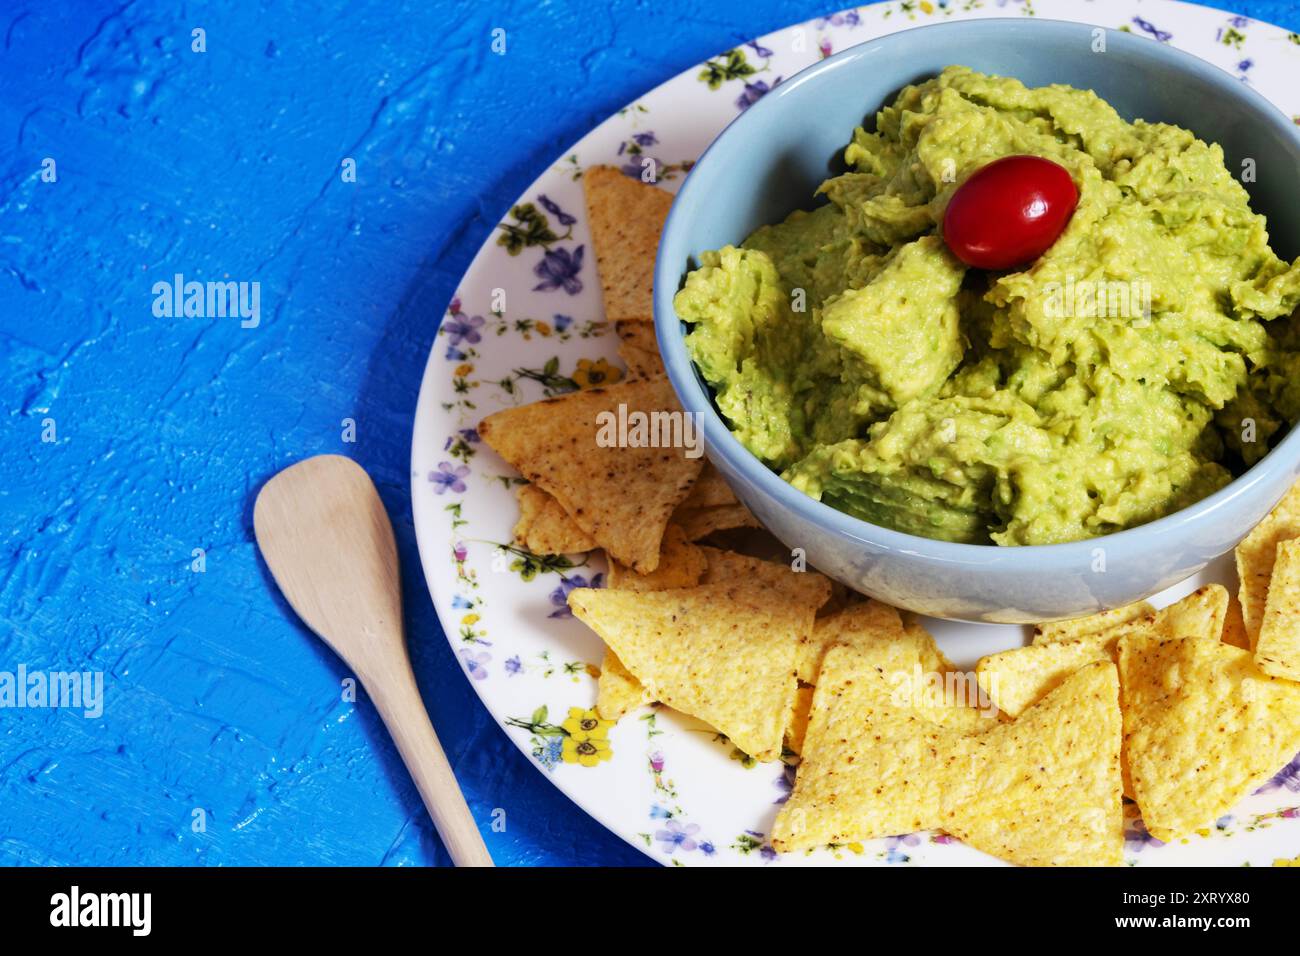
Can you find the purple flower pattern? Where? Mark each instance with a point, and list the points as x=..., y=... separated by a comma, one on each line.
x=559, y=269
x=448, y=477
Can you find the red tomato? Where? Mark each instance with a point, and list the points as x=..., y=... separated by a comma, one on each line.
x=1009, y=212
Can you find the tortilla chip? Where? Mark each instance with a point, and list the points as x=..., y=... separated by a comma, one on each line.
x=639, y=350
x=626, y=217
x=544, y=527
x=1278, y=650
x=1083, y=626
x=872, y=626
x=724, y=654
x=711, y=490
x=1255, y=556
x=1042, y=790
x=1048, y=792
x=641, y=364
x=1234, y=627
x=1203, y=727
x=794, y=734
x=622, y=496
x=729, y=567
x=1018, y=678
x=701, y=522
x=932, y=659
x=617, y=691
x=1200, y=614
x=681, y=565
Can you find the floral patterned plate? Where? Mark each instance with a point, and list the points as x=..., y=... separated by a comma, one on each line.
x=527, y=322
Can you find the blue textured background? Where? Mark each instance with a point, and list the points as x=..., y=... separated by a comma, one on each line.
x=226, y=164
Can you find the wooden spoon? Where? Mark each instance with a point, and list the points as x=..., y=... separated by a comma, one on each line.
x=327, y=539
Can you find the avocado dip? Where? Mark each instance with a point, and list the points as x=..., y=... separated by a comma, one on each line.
x=1124, y=374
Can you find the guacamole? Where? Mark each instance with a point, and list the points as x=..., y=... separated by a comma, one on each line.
x=1125, y=373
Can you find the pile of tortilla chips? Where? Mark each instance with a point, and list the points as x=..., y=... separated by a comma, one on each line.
x=1185, y=709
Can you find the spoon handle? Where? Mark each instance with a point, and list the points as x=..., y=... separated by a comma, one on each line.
x=398, y=701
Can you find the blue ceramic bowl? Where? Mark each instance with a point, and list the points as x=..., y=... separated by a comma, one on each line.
x=770, y=160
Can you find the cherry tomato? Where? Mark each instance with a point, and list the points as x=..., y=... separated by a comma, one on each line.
x=1009, y=212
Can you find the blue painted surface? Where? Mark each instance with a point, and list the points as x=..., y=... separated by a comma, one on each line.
x=226, y=164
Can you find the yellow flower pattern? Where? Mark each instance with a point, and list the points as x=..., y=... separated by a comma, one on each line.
x=587, y=742
x=594, y=373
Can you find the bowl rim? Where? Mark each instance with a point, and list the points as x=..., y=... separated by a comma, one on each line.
x=721, y=441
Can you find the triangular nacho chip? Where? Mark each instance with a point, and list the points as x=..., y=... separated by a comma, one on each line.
x=623, y=496
x=1083, y=626
x=1048, y=789
x=711, y=490
x=1278, y=650
x=681, y=565
x=701, y=522
x=724, y=654
x=1234, y=626
x=1203, y=727
x=1042, y=790
x=905, y=654
x=544, y=527
x=874, y=627
x=932, y=659
x=795, y=733
x=729, y=567
x=617, y=691
x=639, y=349
x=626, y=217
x=1255, y=556
x=1018, y=678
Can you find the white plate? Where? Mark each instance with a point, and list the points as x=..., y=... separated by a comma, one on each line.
x=528, y=324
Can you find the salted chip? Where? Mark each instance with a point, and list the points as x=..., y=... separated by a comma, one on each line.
x=626, y=217
x=932, y=659
x=639, y=350
x=640, y=363
x=544, y=527
x=872, y=626
x=794, y=734
x=1018, y=678
x=1083, y=626
x=710, y=491
x=1234, y=626
x=1048, y=789
x=1255, y=556
x=1278, y=650
x=681, y=565
x=729, y=567
x=906, y=655
x=617, y=691
x=1203, y=727
x=618, y=488
x=1200, y=614
x=702, y=522
x=1044, y=790
x=724, y=654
